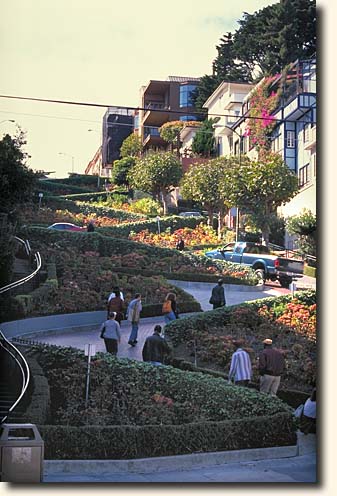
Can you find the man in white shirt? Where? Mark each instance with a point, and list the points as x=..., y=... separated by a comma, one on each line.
x=241, y=367
x=113, y=294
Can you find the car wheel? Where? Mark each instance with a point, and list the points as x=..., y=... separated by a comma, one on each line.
x=261, y=275
x=285, y=281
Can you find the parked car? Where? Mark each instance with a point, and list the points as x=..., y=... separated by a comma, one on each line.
x=66, y=226
x=259, y=258
x=191, y=214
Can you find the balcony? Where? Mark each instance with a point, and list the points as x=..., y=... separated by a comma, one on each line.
x=155, y=114
x=152, y=137
x=310, y=142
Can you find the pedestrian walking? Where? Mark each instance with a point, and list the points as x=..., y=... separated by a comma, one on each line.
x=271, y=367
x=169, y=308
x=113, y=294
x=308, y=417
x=180, y=245
x=218, y=298
x=133, y=315
x=155, y=348
x=91, y=226
x=116, y=304
x=110, y=332
x=241, y=367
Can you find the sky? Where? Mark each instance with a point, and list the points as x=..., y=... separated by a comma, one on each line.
x=100, y=52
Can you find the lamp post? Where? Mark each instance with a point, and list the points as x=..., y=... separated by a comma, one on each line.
x=240, y=146
x=72, y=159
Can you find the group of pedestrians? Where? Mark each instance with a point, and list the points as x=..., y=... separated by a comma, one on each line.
x=271, y=365
x=155, y=347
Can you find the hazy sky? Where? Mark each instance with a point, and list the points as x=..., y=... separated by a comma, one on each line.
x=98, y=51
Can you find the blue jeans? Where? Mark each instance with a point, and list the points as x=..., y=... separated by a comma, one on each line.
x=169, y=316
x=134, y=331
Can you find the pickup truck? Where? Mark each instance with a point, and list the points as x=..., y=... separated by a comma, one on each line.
x=260, y=259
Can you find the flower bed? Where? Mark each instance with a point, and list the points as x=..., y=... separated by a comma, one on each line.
x=152, y=411
x=62, y=246
x=290, y=323
x=200, y=235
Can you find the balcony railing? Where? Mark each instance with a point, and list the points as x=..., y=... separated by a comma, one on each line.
x=153, y=131
x=310, y=142
x=155, y=106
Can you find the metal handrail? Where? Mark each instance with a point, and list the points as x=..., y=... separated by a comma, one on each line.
x=293, y=252
x=6, y=345
x=38, y=262
x=24, y=368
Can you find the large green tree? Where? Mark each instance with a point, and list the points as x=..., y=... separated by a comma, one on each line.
x=210, y=183
x=262, y=187
x=131, y=146
x=157, y=173
x=203, y=143
x=265, y=42
x=17, y=181
x=120, y=170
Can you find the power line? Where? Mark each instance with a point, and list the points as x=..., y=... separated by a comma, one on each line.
x=100, y=105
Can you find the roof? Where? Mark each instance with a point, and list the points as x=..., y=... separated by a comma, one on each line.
x=183, y=79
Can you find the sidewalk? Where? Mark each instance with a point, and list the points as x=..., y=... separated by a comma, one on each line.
x=260, y=465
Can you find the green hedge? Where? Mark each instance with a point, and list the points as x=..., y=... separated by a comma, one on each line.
x=309, y=271
x=179, y=276
x=179, y=331
x=55, y=186
x=38, y=409
x=128, y=442
x=173, y=222
x=293, y=398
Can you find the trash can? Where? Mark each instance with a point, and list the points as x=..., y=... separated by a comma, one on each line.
x=21, y=453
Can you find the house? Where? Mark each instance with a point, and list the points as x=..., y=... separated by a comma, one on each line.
x=118, y=124
x=161, y=102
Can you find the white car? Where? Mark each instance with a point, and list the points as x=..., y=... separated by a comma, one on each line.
x=190, y=214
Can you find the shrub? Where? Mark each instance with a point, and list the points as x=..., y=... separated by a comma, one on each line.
x=152, y=411
x=290, y=323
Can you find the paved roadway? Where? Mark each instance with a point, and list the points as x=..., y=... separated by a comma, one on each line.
x=200, y=291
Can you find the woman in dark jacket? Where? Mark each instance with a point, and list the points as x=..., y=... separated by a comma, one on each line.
x=116, y=304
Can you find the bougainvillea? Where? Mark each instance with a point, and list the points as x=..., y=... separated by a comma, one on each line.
x=261, y=122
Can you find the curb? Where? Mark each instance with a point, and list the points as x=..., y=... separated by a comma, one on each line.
x=167, y=463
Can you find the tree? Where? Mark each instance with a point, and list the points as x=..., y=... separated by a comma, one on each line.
x=17, y=181
x=303, y=226
x=264, y=186
x=131, y=146
x=204, y=142
x=157, y=173
x=170, y=132
x=120, y=170
x=210, y=183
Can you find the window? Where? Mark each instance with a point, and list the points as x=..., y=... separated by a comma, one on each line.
x=188, y=118
x=306, y=133
x=303, y=176
x=186, y=91
x=290, y=141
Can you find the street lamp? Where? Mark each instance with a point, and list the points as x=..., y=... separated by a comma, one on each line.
x=240, y=147
x=72, y=159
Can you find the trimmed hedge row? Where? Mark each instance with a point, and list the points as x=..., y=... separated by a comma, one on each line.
x=309, y=271
x=179, y=331
x=38, y=409
x=173, y=222
x=292, y=397
x=179, y=276
x=128, y=442
x=53, y=185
